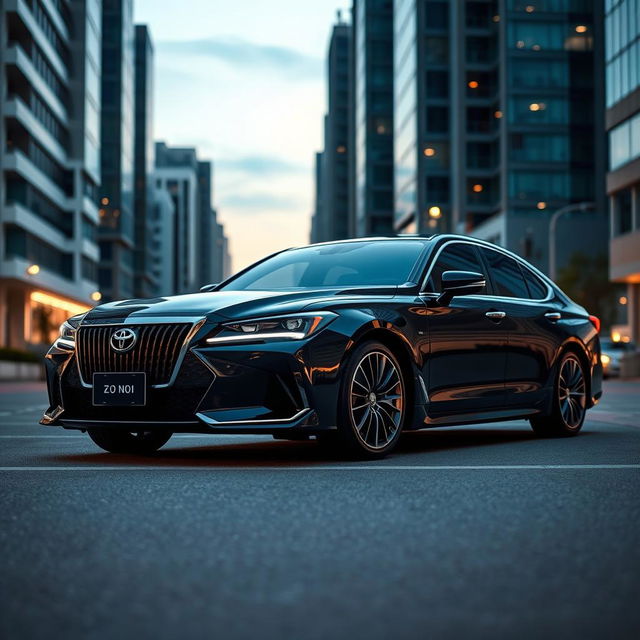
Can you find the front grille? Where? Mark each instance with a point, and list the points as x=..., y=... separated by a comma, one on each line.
x=155, y=353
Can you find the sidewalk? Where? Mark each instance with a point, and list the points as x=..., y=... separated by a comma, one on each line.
x=22, y=387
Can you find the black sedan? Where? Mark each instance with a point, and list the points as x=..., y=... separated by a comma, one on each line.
x=349, y=342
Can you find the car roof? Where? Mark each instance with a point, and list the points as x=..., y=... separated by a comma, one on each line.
x=395, y=238
x=407, y=237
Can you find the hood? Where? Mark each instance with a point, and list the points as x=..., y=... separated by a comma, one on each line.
x=227, y=305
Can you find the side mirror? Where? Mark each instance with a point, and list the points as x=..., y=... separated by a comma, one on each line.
x=460, y=283
x=209, y=287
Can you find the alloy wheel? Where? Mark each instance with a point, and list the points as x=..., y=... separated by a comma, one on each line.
x=376, y=400
x=572, y=393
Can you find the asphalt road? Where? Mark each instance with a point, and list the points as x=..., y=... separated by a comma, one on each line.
x=464, y=532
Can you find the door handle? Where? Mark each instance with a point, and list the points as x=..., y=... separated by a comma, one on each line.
x=553, y=315
x=495, y=315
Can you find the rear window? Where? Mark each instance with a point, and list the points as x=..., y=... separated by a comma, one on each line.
x=537, y=289
x=506, y=274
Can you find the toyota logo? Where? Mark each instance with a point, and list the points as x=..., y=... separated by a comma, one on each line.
x=123, y=340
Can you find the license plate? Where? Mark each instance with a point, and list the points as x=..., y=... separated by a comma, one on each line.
x=119, y=389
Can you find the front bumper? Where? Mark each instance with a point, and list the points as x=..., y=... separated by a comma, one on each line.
x=282, y=387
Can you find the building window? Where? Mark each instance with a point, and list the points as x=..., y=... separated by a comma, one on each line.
x=437, y=84
x=481, y=155
x=438, y=119
x=436, y=50
x=480, y=119
x=478, y=14
x=538, y=74
x=539, y=185
x=437, y=15
x=436, y=154
x=546, y=36
x=438, y=189
x=480, y=84
x=539, y=147
x=381, y=126
x=531, y=110
x=624, y=142
x=21, y=244
x=480, y=49
x=622, y=212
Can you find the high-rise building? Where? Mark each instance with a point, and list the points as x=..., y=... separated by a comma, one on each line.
x=143, y=199
x=49, y=165
x=372, y=156
x=177, y=172
x=198, y=257
x=207, y=223
x=221, y=256
x=117, y=232
x=162, y=257
x=316, y=216
x=497, y=106
x=622, y=55
x=332, y=219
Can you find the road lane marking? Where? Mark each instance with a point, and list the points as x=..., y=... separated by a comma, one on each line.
x=205, y=467
x=175, y=436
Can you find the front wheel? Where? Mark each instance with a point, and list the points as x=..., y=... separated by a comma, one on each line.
x=569, y=402
x=372, y=403
x=135, y=442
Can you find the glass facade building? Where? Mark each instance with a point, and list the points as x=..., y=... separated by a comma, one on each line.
x=116, y=235
x=50, y=66
x=622, y=58
x=372, y=64
x=145, y=284
x=198, y=245
x=331, y=221
x=497, y=104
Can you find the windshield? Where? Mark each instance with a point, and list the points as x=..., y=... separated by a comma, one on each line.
x=333, y=265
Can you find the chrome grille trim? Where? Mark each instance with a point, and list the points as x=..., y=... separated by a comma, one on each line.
x=156, y=337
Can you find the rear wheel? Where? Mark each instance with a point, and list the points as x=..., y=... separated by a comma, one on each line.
x=569, y=402
x=136, y=442
x=372, y=403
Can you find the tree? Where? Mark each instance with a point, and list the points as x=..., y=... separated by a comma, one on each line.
x=585, y=280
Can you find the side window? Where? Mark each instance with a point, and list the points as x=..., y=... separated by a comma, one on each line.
x=506, y=275
x=455, y=257
x=537, y=288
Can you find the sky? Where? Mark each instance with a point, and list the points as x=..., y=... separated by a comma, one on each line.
x=244, y=82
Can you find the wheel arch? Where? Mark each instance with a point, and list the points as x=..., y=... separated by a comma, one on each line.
x=401, y=348
x=578, y=349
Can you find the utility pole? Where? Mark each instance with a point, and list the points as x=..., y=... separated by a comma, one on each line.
x=553, y=223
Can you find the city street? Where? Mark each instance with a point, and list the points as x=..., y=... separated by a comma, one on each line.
x=480, y=531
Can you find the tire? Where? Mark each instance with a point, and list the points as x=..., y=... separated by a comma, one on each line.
x=133, y=442
x=372, y=403
x=569, y=401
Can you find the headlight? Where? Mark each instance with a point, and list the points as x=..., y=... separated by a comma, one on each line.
x=293, y=327
x=68, y=332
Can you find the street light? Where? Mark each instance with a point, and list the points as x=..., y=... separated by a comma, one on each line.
x=553, y=223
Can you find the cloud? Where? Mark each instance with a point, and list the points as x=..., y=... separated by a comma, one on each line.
x=261, y=165
x=257, y=201
x=242, y=53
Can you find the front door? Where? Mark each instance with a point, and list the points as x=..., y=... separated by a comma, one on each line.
x=468, y=342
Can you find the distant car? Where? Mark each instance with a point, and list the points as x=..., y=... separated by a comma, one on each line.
x=352, y=342
x=612, y=352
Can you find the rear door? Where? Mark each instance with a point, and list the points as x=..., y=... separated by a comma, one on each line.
x=532, y=332
x=467, y=358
